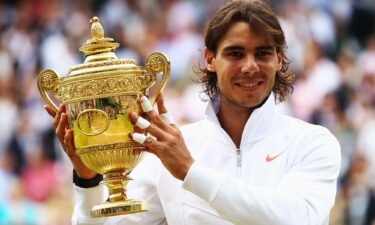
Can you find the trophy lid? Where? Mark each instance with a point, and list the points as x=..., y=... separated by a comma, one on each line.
x=100, y=54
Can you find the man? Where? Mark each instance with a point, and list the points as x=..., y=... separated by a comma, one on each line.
x=245, y=163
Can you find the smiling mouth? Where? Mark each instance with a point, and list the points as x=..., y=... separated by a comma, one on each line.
x=249, y=85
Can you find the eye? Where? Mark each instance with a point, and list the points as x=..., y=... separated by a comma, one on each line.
x=262, y=53
x=235, y=54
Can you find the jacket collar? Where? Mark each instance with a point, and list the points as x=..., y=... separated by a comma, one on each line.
x=263, y=122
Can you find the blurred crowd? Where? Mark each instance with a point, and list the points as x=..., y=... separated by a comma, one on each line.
x=331, y=46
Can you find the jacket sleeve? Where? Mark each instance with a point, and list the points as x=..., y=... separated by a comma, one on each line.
x=141, y=188
x=304, y=197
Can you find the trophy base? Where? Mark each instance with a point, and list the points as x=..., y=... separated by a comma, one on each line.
x=118, y=208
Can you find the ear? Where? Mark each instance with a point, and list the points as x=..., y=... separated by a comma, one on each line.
x=210, y=60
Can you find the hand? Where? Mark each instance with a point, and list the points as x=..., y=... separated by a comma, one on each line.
x=168, y=144
x=66, y=138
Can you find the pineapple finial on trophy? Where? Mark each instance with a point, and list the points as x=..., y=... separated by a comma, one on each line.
x=98, y=42
x=97, y=31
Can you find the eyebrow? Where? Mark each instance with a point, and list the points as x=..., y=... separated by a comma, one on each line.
x=238, y=47
x=233, y=47
x=265, y=47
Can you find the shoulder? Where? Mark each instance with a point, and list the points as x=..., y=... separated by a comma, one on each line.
x=303, y=130
x=311, y=141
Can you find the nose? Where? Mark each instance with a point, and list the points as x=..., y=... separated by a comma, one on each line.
x=250, y=65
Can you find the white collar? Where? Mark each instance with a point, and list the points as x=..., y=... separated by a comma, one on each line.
x=264, y=121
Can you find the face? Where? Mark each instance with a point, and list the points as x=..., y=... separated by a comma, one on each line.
x=246, y=65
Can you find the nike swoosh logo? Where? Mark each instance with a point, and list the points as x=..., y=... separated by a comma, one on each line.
x=270, y=158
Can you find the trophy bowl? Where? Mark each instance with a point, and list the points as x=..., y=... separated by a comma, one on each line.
x=99, y=94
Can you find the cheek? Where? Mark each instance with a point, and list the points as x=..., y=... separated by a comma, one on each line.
x=270, y=70
x=272, y=81
x=270, y=65
x=221, y=82
x=222, y=77
x=276, y=65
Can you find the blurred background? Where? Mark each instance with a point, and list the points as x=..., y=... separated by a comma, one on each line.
x=331, y=45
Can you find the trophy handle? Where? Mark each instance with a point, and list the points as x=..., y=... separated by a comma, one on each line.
x=48, y=81
x=155, y=63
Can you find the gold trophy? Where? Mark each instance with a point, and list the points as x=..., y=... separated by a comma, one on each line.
x=99, y=94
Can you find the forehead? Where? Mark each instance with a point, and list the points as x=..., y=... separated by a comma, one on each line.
x=242, y=34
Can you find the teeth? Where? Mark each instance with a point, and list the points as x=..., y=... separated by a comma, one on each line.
x=249, y=85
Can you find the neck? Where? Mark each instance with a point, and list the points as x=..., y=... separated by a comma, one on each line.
x=233, y=120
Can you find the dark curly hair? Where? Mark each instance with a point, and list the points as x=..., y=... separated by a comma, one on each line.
x=261, y=18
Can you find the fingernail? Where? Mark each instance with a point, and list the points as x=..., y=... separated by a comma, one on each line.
x=133, y=116
x=137, y=137
x=146, y=104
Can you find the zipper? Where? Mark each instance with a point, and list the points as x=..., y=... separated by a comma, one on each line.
x=238, y=162
x=238, y=153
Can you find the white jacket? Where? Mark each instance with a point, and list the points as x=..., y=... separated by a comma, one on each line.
x=284, y=173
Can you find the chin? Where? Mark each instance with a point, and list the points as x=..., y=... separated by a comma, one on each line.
x=255, y=102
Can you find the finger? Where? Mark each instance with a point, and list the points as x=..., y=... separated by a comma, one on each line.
x=167, y=117
x=146, y=141
x=50, y=110
x=163, y=112
x=152, y=115
x=133, y=118
x=57, y=118
x=143, y=140
x=145, y=125
x=146, y=104
x=142, y=123
x=160, y=103
x=69, y=143
x=61, y=127
x=139, y=138
x=148, y=109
